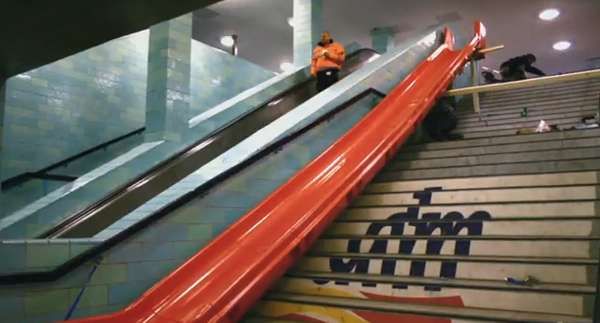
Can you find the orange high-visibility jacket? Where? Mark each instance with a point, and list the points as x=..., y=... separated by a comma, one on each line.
x=337, y=55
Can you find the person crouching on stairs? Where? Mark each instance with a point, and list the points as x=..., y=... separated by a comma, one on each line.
x=327, y=60
x=441, y=120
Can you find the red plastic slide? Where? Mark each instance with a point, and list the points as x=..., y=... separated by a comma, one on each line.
x=224, y=279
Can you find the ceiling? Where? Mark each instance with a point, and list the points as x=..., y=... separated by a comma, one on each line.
x=266, y=38
x=37, y=32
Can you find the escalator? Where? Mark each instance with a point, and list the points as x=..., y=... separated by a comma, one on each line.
x=123, y=200
x=228, y=276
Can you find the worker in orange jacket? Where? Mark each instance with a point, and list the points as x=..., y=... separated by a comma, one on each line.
x=327, y=60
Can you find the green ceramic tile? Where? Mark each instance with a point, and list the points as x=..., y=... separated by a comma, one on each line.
x=199, y=231
x=93, y=296
x=46, y=254
x=109, y=274
x=47, y=301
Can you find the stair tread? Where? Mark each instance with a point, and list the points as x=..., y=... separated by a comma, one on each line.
x=454, y=282
x=488, y=182
x=459, y=237
x=497, y=154
x=430, y=310
x=499, y=259
x=504, y=140
x=502, y=219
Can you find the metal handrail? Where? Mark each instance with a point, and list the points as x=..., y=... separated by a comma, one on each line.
x=545, y=80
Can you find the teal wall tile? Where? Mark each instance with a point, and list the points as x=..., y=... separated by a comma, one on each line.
x=217, y=76
x=199, y=231
x=110, y=274
x=14, y=257
x=47, y=301
x=168, y=85
x=125, y=293
x=12, y=308
x=93, y=296
x=308, y=25
x=382, y=39
x=63, y=108
x=140, y=271
x=44, y=254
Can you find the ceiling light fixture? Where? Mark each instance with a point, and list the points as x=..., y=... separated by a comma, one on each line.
x=227, y=41
x=286, y=67
x=562, y=45
x=549, y=14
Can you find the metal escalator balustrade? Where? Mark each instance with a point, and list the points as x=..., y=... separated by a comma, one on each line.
x=224, y=279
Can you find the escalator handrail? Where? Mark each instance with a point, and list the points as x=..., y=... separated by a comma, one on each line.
x=223, y=280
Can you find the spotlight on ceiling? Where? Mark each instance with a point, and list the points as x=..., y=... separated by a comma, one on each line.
x=227, y=41
x=549, y=14
x=562, y=45
x=286, y=67
x=290, y=21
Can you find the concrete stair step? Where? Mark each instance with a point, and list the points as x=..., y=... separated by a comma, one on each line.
x=548, y=270
x=498, y=149
x=580, y=228
x=489, y=247
x=559, y=96
x=500, y=284
x=511, y=128
x=463, y=237
x=498, y=211
x=514, y=115
x=488, y=182
x=584, y=99
x=504, y=195
x=505, y=140
x=344, y=309
x=565, y=299
x=549, y=117
x=566, y=261
x=520, y=168
x=560, y=154
x=541, y=93
x=541, y=90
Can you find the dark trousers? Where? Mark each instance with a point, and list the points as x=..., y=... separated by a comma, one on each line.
x=513, y=74
x=326, y=78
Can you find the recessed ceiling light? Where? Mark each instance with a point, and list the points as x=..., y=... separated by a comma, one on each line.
x=227, y=41
x=287, y=67
x=290, y=21
x=549, y=14
x=562, y=45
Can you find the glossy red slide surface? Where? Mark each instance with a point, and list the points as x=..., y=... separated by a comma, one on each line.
x=224, y=279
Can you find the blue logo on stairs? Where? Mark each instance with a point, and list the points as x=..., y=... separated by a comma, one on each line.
x=450, y=224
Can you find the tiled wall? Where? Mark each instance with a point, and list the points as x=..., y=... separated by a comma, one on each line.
x=95, y=96
x=217, y=76
x=63, y=108
x=130, y=268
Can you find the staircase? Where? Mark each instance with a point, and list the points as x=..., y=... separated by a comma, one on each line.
x=497, y=227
